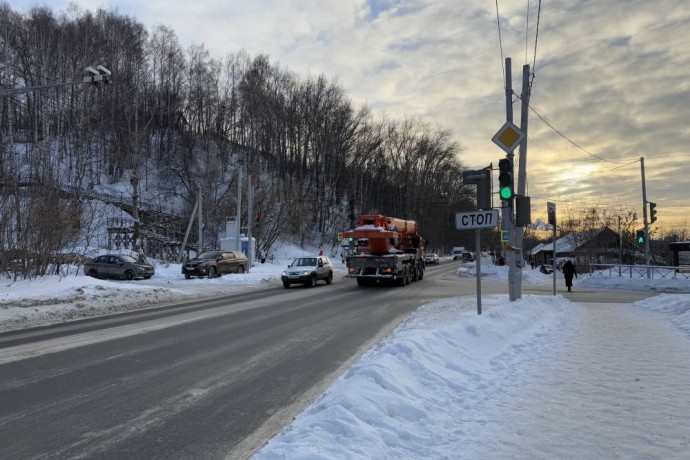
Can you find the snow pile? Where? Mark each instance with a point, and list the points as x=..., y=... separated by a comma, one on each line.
x=403, y=398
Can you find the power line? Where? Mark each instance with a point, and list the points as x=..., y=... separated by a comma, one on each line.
x=500, y=41
x=536, y=39
x=588, y=175
x=564, y=136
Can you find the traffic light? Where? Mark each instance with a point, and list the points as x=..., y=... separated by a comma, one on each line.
x=640, y=237
x=482, y=178
x=505, y=179
x=652, y=212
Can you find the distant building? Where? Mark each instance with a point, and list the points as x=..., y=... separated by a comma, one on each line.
x=593, y=246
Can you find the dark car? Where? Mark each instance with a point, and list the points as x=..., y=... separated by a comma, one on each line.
x=215, y=263
x=118, y=266
x=308, y=270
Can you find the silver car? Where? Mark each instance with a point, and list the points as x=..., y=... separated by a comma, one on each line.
x=118, y=266
x=432, y=259
x=307, y=271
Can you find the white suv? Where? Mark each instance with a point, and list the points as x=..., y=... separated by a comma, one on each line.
x=307, y=271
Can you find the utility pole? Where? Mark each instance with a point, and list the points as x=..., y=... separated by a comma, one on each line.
x=201, y=223
x=238, y=244
x=522, y=179
x=250, y=218
x=507, y=218
x=508, y=138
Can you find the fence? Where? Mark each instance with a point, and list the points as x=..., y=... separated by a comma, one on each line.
x=638, y=271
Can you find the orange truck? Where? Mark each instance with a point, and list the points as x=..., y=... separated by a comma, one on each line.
x=384, y=249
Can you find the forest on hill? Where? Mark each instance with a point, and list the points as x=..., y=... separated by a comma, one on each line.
x=174, y=121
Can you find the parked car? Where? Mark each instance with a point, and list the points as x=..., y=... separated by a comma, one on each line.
x=215, y=263
x=467, y=257
x=118, y=266
x=307, y=271
x=431, y=259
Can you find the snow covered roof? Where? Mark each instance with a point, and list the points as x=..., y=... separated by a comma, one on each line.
x=569, y=243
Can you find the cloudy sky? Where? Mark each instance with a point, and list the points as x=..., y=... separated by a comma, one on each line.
x=611, y=78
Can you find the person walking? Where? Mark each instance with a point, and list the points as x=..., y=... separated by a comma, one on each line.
x=568, y=272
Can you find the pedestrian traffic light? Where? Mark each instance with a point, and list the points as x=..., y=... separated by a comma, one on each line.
x=505, y=179
x=640, y=237
x=652, y=212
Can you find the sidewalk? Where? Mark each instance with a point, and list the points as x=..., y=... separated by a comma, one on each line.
x=618, y=386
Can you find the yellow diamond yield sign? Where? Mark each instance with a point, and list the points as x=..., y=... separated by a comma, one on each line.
x=508, y=137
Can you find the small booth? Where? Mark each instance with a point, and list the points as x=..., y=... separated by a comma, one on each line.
x=681, y=253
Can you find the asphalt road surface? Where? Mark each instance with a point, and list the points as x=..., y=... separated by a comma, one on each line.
x=210, y=379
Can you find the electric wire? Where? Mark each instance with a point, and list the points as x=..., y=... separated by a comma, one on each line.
x=500, y=41
x=564, y=136
x=536, y=39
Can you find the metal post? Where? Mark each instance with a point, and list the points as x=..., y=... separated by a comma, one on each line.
x=478, y=260
x=646, y=222
x=250, y=219
x=201, y=222
x=553, y=260
x=620, y=247
x=238, y=246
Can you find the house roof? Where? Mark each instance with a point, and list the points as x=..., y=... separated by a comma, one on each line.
x=569, y=243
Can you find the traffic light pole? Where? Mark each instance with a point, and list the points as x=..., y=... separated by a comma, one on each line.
x=646, y=222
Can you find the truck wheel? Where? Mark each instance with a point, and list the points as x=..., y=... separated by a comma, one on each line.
x=420, y=276
x=415, y=274
x=401, y=279
x=408, y=276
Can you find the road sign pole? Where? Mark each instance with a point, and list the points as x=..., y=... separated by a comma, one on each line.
x=478, y=260
x=551, y=213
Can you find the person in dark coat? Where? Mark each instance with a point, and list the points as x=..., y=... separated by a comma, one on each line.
x=568, y=272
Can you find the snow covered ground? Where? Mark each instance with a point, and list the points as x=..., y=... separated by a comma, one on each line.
x=540, y=378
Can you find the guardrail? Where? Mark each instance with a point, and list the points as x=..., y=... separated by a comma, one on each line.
x=638, y=271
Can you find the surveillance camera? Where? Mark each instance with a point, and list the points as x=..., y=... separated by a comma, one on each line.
x=103, y=70
x=92, y=71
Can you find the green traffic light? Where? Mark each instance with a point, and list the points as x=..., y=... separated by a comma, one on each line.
x=640, y=240
x=506, y=193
